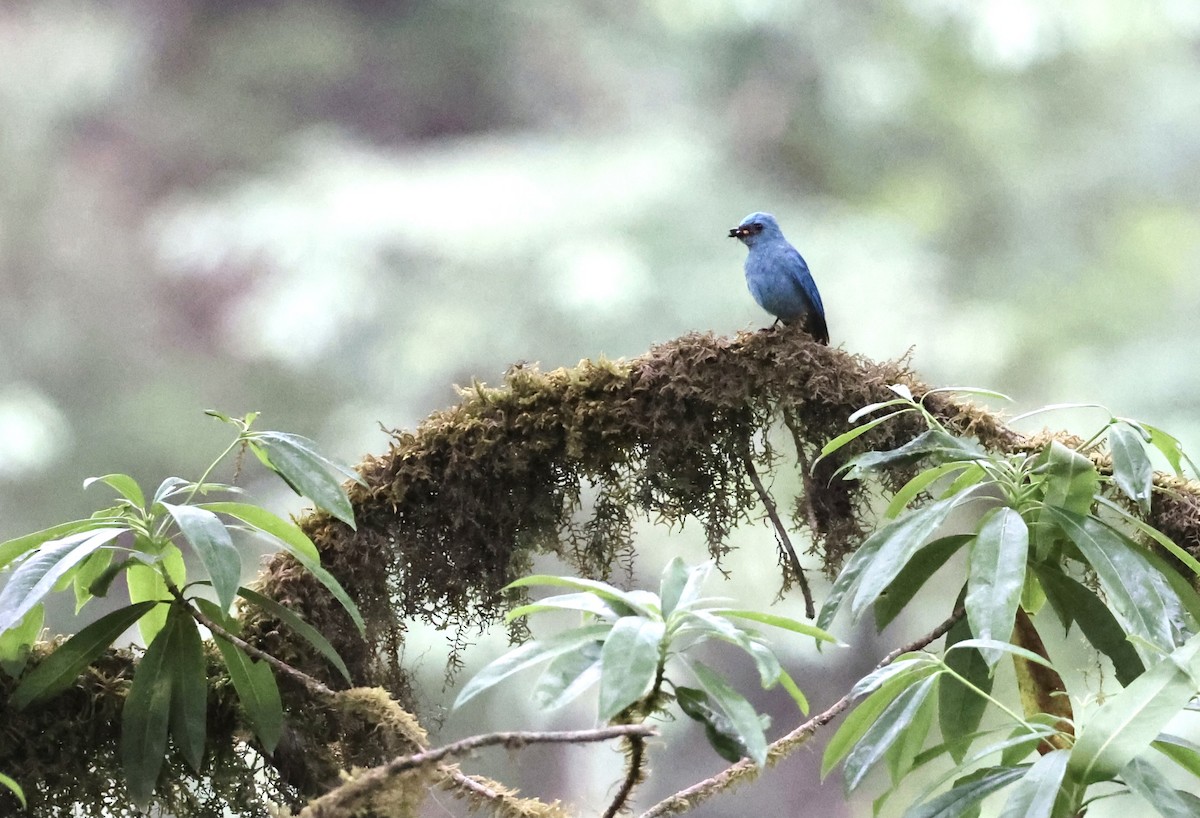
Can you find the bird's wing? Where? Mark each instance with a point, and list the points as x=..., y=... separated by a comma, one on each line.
x=803, y=278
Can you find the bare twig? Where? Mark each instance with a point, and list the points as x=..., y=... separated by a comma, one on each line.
x=779, y=749
x=810, y=608
x=376, y=777
x=810, y=513
x=313, y=685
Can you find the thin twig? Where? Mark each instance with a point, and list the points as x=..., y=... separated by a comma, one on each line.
x=313, y=685
x=810, y=513
x=779, y=749
x=637, y=747
x=810, y=608
x=376, y=777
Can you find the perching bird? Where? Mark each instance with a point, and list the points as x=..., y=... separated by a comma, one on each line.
x=778, y=276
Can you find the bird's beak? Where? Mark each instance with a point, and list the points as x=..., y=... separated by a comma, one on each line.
x=736, y=232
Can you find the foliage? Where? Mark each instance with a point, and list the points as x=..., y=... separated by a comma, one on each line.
x=146, y=541
x=1047, y=519
x=625, y=643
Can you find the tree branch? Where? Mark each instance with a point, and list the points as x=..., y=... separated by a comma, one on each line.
x=810, y=608
x=781, y=748
x=376, y=777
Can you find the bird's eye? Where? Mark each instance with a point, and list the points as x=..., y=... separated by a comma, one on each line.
x=756, y=227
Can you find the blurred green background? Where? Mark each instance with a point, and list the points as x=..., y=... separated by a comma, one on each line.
x=332, y=212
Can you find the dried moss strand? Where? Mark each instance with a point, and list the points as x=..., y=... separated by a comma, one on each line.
x=810, y=608
x=689, y=798
x=633, y=774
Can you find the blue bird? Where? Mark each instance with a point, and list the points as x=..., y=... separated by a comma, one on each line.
x=778, y=276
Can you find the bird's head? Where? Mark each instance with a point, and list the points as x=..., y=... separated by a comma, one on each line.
x=754, y=227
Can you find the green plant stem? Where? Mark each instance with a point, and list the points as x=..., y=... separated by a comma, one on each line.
x=1004, y=709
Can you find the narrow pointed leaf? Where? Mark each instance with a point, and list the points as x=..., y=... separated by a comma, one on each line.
x=891, y=724
x=670, y=588
x=15, y=789
x=212, y=543
x=91, y=570
x=257, y=693
x=787, y=623
x=897, y=543
x=189, y=689
x=995, y=576
x=11, y=549
x=957, y=801
x=858, y=431
x=742, y=716
x=902, y=755
x=865, y=714
x=721, y=734
x=311, y=474
x=286, y=532
x=1183, y=752
x=1095, y=620
x=1130, y=720
x=1036, y=792
x=40, y=572
x=635, y=601
x=583, y=602
x=145, y=719
x=528, y=655
x=918, y=484
x=1132, y=470
x=1171, y=449
x=913, y=576
x=300, y=627
x=1154, y=788
x=959, y=707
x=1140, y=596
x=125, y=485
x=60, y=669
x=789, y=684
x=628, y=663
x=568, y=676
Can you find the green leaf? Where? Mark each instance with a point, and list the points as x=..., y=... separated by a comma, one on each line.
x=15, y=643
x=714, y=626
x=39, y=572
x=936, y=444
x=1132, y=471
x=259, y=518
x=145, y=719
x=858, y=431
x=962, y=798
x=125, y=485
x=1171, y=449
x=789, y=684
x=1153, y=787
x=719, y=730
x=787, y=623
x=670, y=588
x=567, y=676
x=62, y=667
x=891, y=725
x=92, y=569
x=920, y=483
x=189, y=688
x=146, y=584
x=995, y=577
x=308, y=472
x=901, y=756
x=528, y=655
x=909, y=530
x=300, y=627
x=1130, y=720
x=885, y=690
x=1140, y=596
x=1071, y=478
x=1183, y=752
x=257, y=692
x=628, y=663
x=1036, y=792
x=913, y=576
x=1095, y=620
x=1154, y=534
x=742, y=717
x=11, y=549
x=959, y=707
x=15, y=788
x=584, y=602
x=898, y=542
x=633, y=600
x=211, y=541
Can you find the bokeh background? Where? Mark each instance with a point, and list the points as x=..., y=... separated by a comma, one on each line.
x=333, y=212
